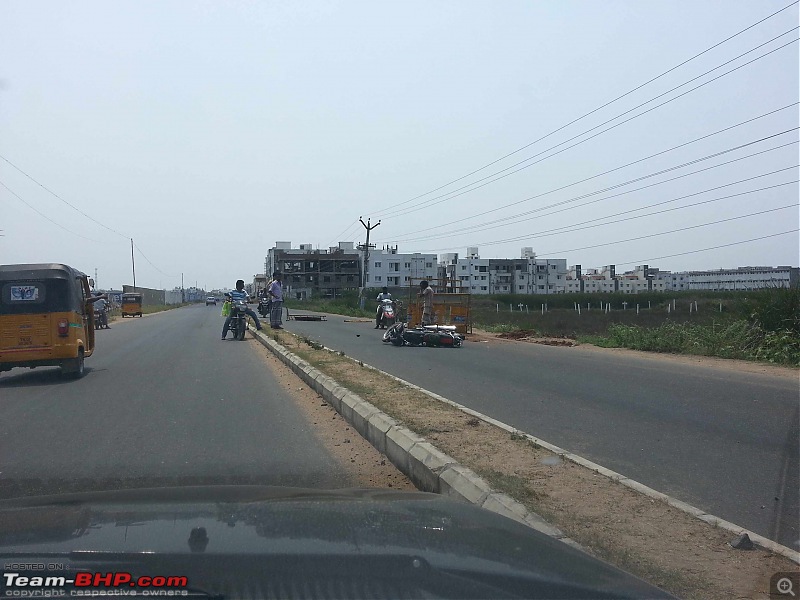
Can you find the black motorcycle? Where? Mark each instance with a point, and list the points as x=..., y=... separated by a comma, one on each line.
x=264, y=306
x=431, y=336
x=238, y=324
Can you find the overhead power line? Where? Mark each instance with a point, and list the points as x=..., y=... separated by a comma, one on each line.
x=498, y=223
x=603, y=105
x=594, y=222
x=73, y=207
x=44, y=187
x=763, y=237
x=574, y=183
x=151, y=264
x=446, y=197
x=40, y=213
x=690, y=227
x=569, y=228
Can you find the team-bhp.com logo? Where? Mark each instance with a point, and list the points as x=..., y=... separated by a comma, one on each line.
x=18, y=585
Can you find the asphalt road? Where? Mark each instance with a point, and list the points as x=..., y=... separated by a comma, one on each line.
x=722, y=440
x=164, y=402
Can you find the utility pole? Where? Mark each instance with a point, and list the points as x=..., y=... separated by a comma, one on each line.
x=183, y=294
x=95, y=279
x=366, y=248
x=133, y=266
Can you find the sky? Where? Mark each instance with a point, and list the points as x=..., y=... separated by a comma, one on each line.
x=208, y=131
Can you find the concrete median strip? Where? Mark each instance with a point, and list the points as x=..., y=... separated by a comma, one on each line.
x=432, y=470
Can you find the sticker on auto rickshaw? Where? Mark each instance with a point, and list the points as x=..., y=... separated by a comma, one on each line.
x=24, y=293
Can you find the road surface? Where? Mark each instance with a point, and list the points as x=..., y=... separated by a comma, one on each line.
x=722, y=440
x=164, y=402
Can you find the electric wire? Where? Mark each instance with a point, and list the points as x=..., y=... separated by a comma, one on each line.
x=763, y=237
x=569, y=228
x=65, y=201
x=151, y=264
x=558, y=189
x=594, y=223
x=604, y=105
x=446, y=197
x=499, y=223
x=536, y=212
x=688, y=228
x=37, y=211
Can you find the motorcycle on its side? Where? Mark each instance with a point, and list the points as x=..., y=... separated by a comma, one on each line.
x=387, y=315
x=427, y=335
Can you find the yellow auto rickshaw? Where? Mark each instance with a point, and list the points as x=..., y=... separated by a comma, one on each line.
x=46, y=317
x=131, y=305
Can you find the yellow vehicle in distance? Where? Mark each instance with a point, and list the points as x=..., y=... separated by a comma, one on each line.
x=46, y=317
x=131, y=305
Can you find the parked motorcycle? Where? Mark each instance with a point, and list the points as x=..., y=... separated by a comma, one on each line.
x=428, y=335
x=387, y=314
x=264, y=306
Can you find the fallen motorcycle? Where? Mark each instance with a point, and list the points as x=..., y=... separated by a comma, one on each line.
x=427, y=335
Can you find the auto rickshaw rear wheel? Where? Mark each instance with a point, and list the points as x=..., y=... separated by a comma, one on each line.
x=75, y=367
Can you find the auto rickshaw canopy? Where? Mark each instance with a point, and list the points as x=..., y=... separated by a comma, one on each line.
x=40, y=288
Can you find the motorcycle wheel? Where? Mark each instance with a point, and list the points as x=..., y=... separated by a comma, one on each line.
x=390, y=333
x=240, y=329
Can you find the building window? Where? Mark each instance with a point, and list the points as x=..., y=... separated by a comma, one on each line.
x=463, y=267
x=428, y=265
x=482, y=269
x=378, y=265
x=483, y=277
x=483, y=287
x=377, y=277
x=522, y=287
x=394, y=266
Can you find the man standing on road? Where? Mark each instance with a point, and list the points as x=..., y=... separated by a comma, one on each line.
x=240, y=294
x=276, y=293
x=426, y=293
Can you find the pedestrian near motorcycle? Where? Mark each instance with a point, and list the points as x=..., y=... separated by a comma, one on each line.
x=276, y=296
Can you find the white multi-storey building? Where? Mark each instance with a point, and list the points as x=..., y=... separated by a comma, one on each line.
x=525, y=275
x=743, y=278
x=389, y=268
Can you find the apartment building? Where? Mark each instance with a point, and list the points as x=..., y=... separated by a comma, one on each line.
x=525, y=275
x=744, y=278
x=390, y=268
x=308, y=272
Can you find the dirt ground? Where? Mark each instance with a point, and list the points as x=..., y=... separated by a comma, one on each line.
x=647, y=537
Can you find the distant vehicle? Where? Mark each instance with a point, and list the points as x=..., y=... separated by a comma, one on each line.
x=131, y=305
x=211, y=300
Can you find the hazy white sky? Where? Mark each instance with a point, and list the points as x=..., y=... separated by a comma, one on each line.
x=207, y=131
